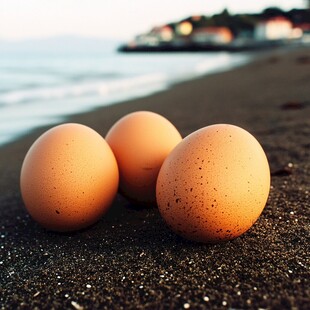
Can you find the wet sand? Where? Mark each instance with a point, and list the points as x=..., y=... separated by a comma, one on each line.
x=130, y=259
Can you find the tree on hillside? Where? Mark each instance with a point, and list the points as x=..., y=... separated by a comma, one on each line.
x=272, y=12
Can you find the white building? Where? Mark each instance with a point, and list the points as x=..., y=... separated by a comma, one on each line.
x=155, y=37
x=218, y=35
x=277, y=28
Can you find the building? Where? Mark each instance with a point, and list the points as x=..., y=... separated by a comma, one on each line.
x=163, y=33
x=304, y=27
x=277, y=28
x=212, y=35
x=155, y=37
x=304, y=30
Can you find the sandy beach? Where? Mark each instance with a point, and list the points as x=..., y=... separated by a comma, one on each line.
x=130, y=259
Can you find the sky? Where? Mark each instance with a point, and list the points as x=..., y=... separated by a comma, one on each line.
x=115, y=19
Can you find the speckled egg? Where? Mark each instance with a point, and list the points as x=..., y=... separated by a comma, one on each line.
x=140, y=142
x=214, y=185
x=69, y=178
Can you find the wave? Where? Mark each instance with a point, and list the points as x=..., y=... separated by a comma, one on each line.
x=222, y=62
x=46, y=95
x=94, y=88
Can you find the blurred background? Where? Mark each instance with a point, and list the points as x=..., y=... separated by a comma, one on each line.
x=63, y=57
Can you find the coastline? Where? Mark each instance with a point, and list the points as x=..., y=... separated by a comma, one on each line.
x=130, y=259
x=88, y=82
x=205, y=47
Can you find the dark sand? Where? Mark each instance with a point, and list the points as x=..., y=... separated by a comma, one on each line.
x=130, y=259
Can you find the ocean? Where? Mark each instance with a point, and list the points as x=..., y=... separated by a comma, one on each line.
x=38, y=89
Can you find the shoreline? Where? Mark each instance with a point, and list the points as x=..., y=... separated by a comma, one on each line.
x=30, y=109
x=130, y=258
x=207, y=47
x=250, y=58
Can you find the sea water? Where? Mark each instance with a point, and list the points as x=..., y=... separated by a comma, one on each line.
x=38, y=89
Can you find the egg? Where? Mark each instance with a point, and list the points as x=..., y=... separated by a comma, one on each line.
x=214, y=185
x=140, y=142
x=69, y=178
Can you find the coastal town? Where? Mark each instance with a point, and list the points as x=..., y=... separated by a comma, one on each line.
x=226, y=32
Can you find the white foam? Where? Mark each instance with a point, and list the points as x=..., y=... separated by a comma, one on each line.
x=223, y=61
x=98, y=88
x=24, y=110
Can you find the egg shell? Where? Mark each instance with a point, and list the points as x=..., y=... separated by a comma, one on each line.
x=141, y=141
x=69, y=178
x=214, y=185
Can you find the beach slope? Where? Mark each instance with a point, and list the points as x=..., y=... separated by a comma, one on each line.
x=130, y=259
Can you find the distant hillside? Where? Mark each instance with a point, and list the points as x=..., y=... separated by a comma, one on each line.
x=60, y=44
x=246, y=22
x=225, y=32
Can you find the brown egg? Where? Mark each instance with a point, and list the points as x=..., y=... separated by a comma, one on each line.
x=214, y=185
x=69, y=178
x=140, y=142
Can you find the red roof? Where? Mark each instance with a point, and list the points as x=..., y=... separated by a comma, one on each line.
x=278, y=19
x=303, y=26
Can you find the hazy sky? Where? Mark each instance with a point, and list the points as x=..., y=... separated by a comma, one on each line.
x=122, y=19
